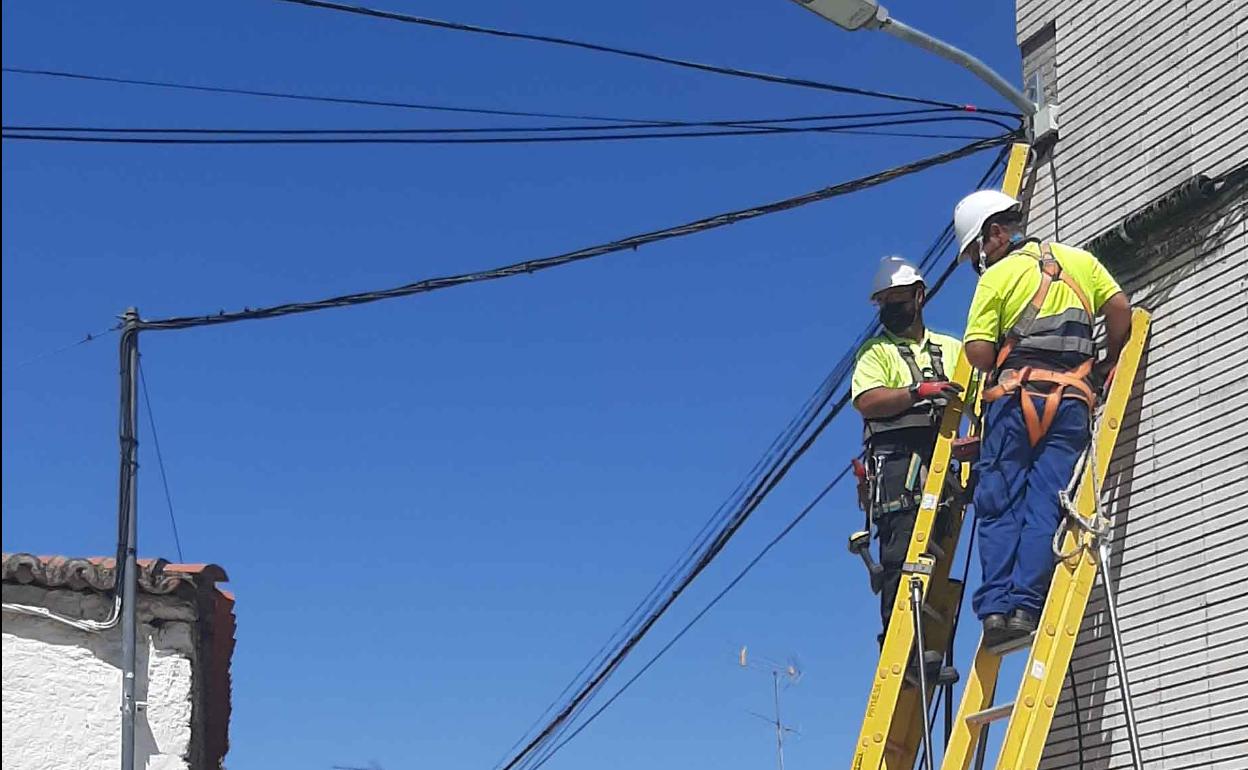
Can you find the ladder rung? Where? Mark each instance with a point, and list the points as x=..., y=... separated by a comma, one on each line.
x=993, y=714
x=1013, y=645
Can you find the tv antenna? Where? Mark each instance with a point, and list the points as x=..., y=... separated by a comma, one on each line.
x=788, y=673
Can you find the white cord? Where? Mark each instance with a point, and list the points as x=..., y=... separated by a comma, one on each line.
x=93, y=626
x=1098, y=525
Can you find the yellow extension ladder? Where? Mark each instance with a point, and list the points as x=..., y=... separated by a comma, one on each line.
x=1030, y=714
x=896, y=721
x=893, y=727
x=892, y=730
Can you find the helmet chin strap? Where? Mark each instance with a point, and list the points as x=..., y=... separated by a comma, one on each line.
x=982, y=259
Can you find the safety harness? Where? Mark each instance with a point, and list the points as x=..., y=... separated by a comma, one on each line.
x=907, y=433
x=1051, y=335
x=923, y=414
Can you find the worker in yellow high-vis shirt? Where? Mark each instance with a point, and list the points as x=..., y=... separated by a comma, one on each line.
x=1030, y=328
x=900, y=386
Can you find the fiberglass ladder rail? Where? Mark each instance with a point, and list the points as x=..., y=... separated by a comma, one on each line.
x=893, y=728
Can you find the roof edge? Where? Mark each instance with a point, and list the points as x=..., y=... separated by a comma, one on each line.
x=156, y=576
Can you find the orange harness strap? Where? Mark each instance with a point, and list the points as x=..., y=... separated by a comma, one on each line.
x=1071, y=384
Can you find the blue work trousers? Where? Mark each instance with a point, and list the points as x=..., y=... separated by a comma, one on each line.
x=1016, y=501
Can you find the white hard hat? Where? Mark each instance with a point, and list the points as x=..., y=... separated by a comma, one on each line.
x=895, y=271
x=973, y=211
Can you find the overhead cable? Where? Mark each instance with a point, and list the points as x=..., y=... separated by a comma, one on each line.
x=750, y=565
x=387, y=136
x=773, y=458
x=704, y=557
x=160, y=461
x=427, y=106
x=168, y=142
x=779, y=124
x=535, y=265
x=436, y=107
x=302, y=97
x=61, y=349
x=599, y=48
x=1074, y=698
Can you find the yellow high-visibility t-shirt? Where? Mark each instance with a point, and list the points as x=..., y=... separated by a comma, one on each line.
x=879, y=365
x=1008, y=286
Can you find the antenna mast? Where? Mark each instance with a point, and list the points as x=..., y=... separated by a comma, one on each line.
x=790, y=673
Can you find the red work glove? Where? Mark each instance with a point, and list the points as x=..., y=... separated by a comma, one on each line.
x=932, y=390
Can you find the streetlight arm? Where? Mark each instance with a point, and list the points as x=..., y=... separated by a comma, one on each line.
x=985, y=73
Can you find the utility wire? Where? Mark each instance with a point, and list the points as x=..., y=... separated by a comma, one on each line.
x=953, y=266
x=62, y=349
x=701, y=613
x=303, y=97
x=528, y=757
x=61, y=134
x=739, y=509
x=160, y=460
x=1074, y=697
x=434, y=107
x=646, y=608
x=614, y=125
x=532, y=266
x=596, y=47
x=771, y=125
x=780, y=447
x=122, y=140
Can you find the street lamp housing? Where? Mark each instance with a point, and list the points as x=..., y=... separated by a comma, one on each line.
x=848, y=14
x=869, y=14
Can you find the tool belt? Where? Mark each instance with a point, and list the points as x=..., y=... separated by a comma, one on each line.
x=907, y=501
x=904, y=490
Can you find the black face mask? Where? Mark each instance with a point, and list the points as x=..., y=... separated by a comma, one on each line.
x=898, y=316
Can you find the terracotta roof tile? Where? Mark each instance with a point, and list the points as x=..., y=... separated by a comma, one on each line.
x=156, y=576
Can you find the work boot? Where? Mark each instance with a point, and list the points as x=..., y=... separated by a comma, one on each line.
x=1021, y=623
x=937, y=674
x=995, y=630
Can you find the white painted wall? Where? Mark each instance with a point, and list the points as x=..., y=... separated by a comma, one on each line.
x=62, y=694
x=1153, y=92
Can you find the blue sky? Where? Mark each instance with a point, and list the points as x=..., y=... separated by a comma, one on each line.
x=434, y=510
